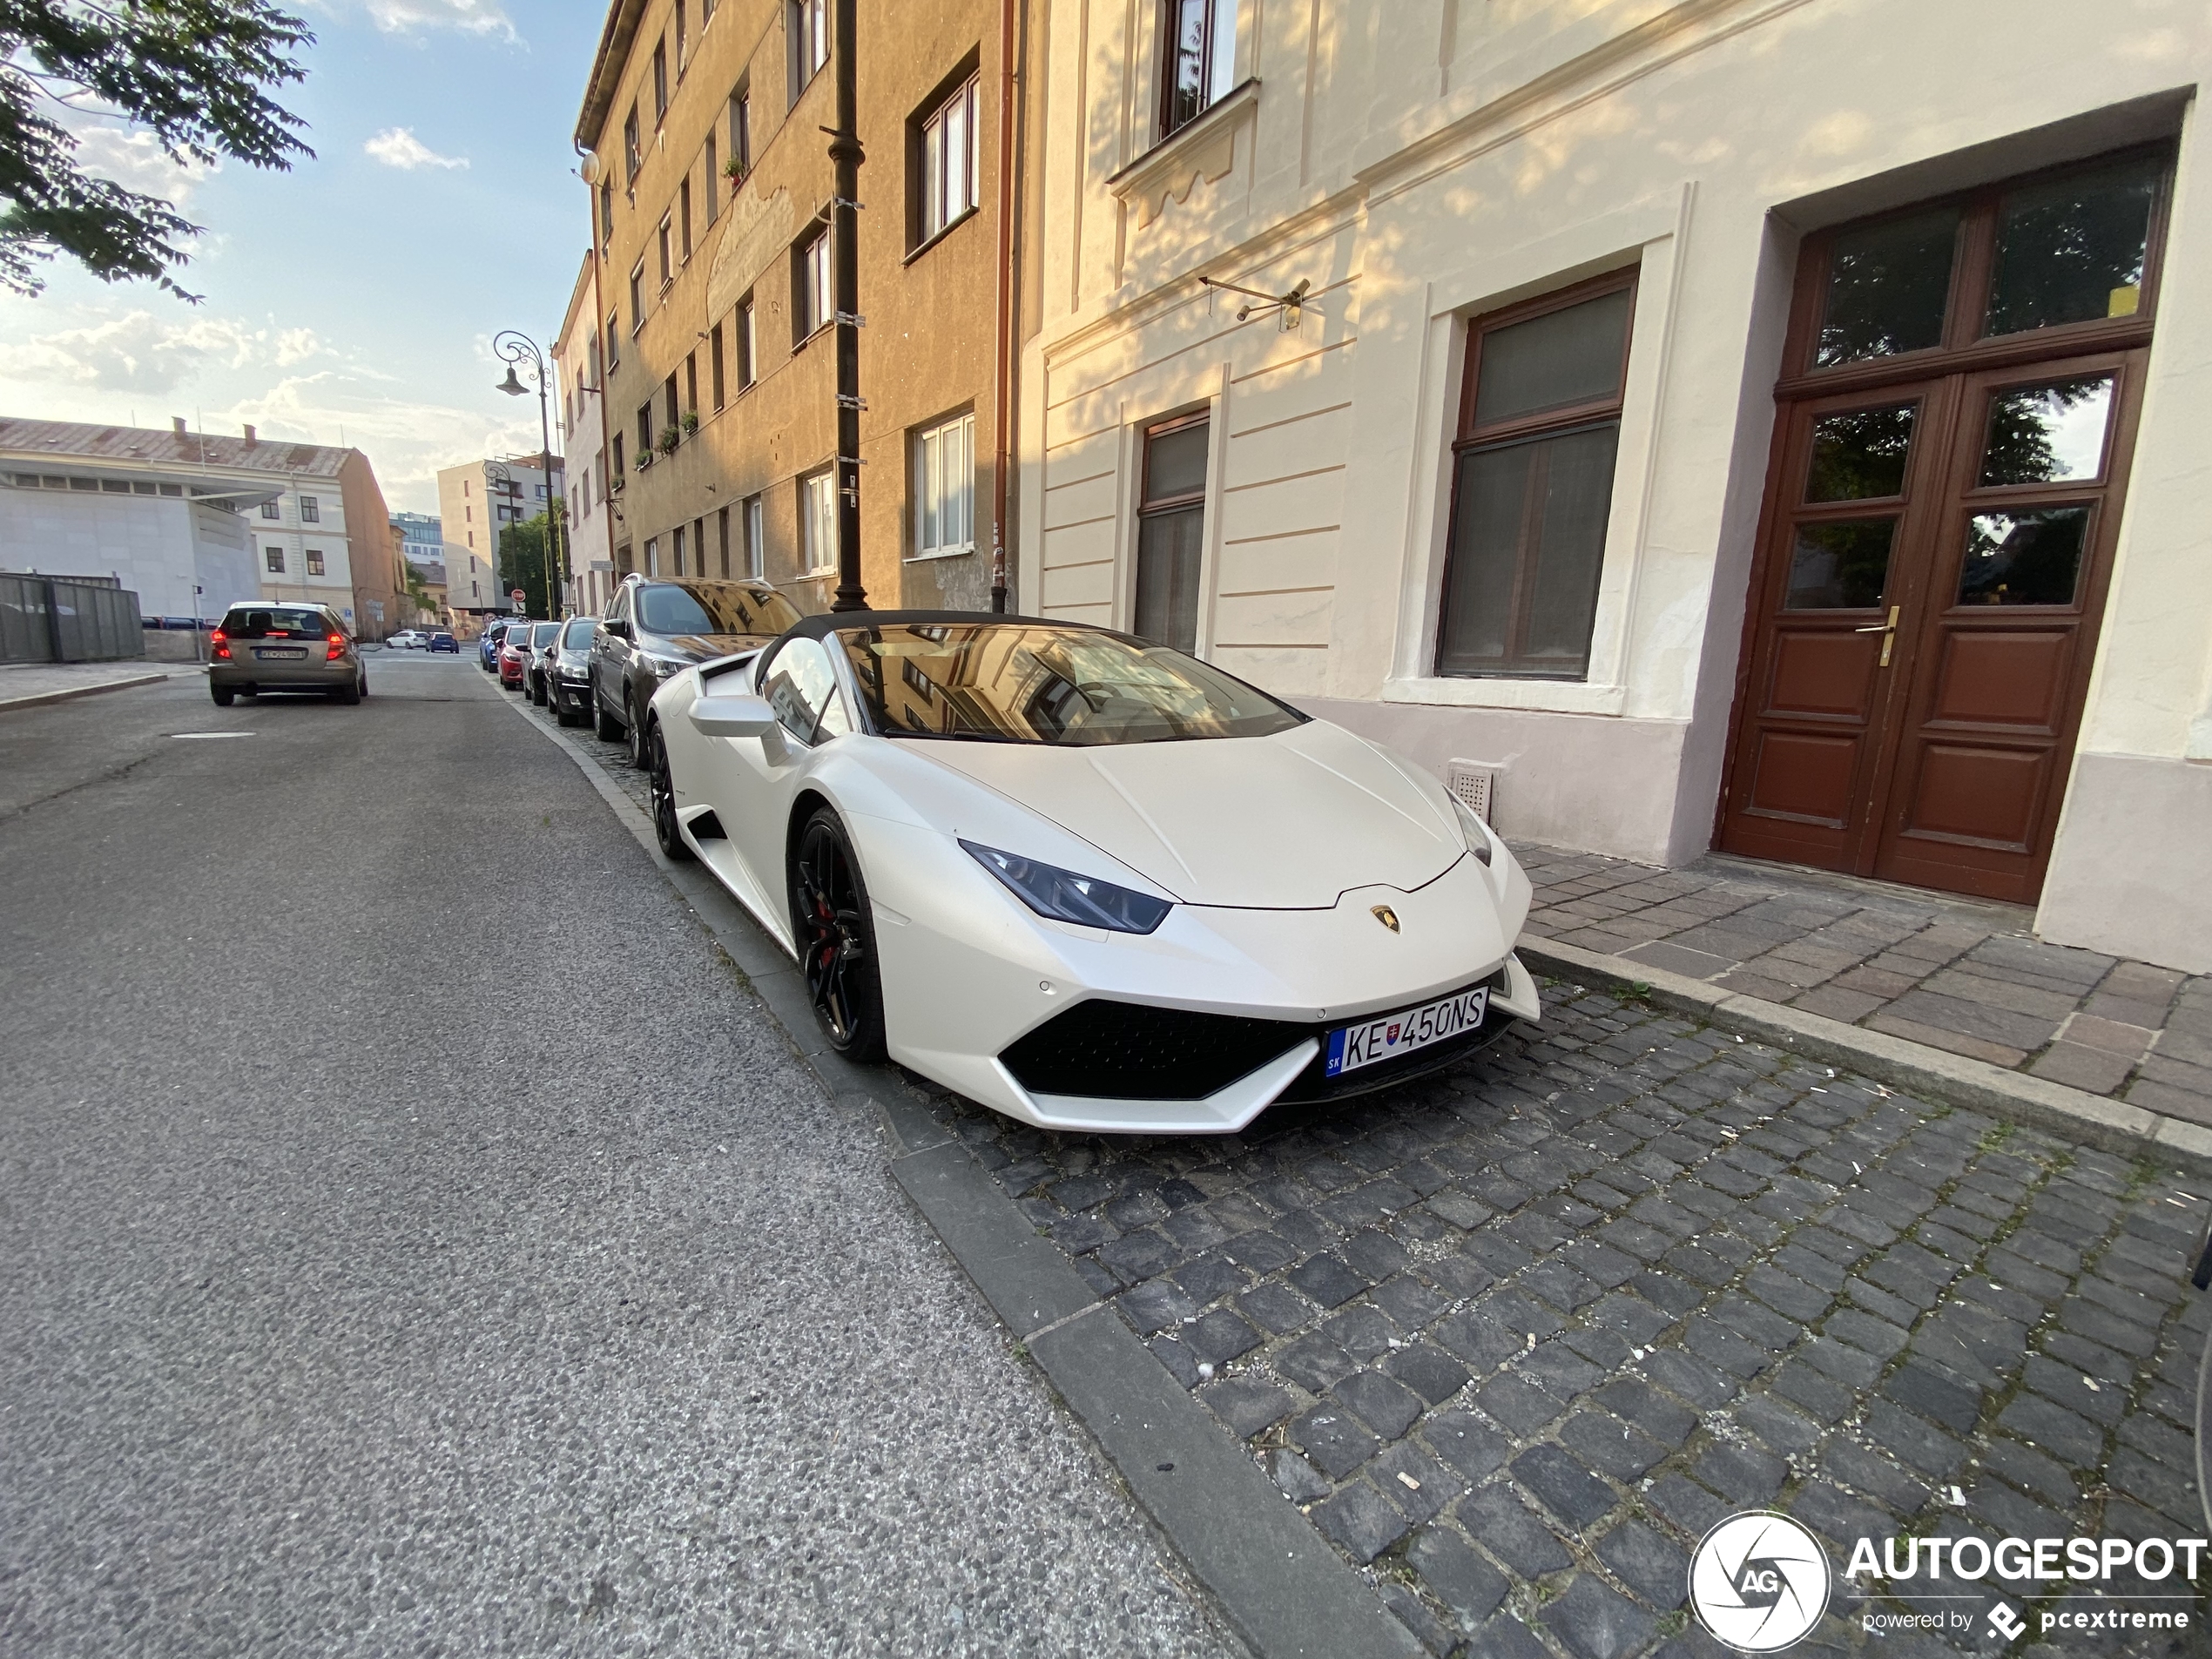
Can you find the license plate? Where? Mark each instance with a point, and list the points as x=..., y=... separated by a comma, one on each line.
x=281, y=654
x=1388, y=1036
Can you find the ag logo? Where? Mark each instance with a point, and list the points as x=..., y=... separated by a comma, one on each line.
x=1758, y=1582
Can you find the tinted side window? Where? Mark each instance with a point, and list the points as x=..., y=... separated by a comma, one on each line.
x=802, y=689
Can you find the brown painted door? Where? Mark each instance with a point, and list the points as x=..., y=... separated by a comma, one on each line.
x=2004, y=623
x=1951, y=454
x=1862, y=477
x=1925, y=622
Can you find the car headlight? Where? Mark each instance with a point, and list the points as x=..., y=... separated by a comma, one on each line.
x=662, y=667
x=1478, y=838
x=1065, y=896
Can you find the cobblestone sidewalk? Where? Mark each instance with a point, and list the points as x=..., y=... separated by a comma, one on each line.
x=1957, y=975
x=1517, y=1337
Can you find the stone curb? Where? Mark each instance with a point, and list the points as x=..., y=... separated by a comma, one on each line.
x=1956, y=1080
x=1281, y=1587
x=8, y=705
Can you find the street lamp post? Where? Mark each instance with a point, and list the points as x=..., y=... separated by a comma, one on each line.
x=516, y=349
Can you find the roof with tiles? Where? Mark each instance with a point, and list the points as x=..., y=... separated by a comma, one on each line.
x=73, y=440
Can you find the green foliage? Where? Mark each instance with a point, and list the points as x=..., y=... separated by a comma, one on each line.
x=522, y=553
x=191, y=72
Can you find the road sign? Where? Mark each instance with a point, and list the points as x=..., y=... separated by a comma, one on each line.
x=518, y=596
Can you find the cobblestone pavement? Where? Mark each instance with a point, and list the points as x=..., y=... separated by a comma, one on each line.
x=1957, y=975
x=1517, y=1336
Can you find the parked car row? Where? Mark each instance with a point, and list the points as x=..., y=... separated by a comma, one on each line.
x=605, y=670
x=419, y=639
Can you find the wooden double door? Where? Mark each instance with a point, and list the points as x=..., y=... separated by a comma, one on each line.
x=1934, y=556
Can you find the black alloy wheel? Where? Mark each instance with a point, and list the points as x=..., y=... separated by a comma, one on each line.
x=637, y=736
x=836, y=939
x=660, y=790
x=605, y=726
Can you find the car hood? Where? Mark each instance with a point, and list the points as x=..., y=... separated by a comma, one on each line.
x=1289, y=821
x=705, y=647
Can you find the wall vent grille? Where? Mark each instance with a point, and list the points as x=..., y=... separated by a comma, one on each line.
x=1475, y=784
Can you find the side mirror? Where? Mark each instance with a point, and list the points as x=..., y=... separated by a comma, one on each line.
x=616, y=627
x=733, y=714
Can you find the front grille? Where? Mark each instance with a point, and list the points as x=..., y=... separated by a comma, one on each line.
x=1127, y=1051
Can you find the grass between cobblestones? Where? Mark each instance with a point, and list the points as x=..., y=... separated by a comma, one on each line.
x=1516, y=1336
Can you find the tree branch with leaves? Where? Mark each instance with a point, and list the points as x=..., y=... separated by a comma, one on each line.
x=194, y=73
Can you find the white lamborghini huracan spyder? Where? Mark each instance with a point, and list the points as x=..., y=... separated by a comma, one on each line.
x=1089, y=882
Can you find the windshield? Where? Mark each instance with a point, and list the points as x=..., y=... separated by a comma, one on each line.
x=577, y=637
x=1032, y=683
x=714, y=608
x=542, y=633
x=275, y=620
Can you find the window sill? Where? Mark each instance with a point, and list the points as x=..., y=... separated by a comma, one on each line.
x=941, y=553
x=950, y=226
x=1206, y=144
x=1552, y=697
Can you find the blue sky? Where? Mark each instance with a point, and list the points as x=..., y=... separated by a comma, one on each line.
x=354, y=298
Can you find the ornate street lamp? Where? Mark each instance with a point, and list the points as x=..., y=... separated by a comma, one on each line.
x=518, y=348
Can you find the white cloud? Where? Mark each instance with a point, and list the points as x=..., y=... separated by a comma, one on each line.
x=140, y=352
x=399, y=147
x=467, y=16
x=134, y=159
x=406, y=440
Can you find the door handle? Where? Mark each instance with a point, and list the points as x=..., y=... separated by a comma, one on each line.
x=1888, y=631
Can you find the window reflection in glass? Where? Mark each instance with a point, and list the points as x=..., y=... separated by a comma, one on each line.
x=1841, y=566
x=1887, y=284
x=2025, y=558
x=2072, y=250
x=1861, y=454
x=2047, y=435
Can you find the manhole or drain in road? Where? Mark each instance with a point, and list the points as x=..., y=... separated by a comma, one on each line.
x=188, y=736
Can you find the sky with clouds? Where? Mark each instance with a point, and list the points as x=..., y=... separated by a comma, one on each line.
x=353, y=299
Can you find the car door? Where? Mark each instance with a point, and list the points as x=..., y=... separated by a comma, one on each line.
x=610, y=655
x=753, y=794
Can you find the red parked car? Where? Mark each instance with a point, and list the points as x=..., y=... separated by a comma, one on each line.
x=515, y=655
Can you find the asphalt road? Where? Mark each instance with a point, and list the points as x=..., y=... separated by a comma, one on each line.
x=412, y=1238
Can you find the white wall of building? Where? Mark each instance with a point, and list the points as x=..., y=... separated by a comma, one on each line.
x=1425, y=162
x=300, y=542
x=159, y=548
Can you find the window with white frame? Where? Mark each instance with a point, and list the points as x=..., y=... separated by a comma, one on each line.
x=806, y=25
x=945, y=157
x=1197, y=59
x=944, y=489
x=812, y=299
x=818, y=521
x=756, y=539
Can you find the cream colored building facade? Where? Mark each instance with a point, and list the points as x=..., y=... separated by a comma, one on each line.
x=579, y=368
x=476, y=500
x=1692, y=187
